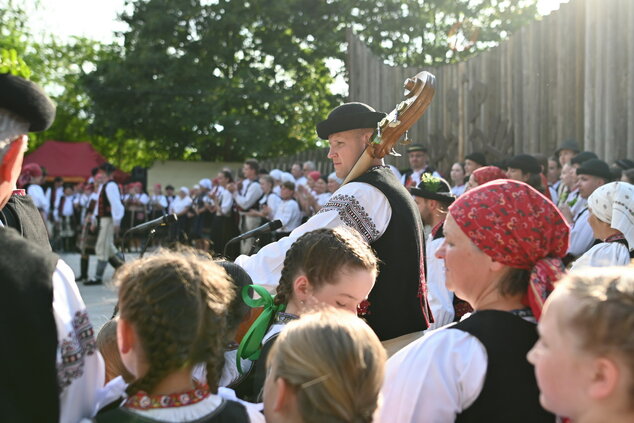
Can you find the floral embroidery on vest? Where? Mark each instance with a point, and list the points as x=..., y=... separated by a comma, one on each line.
x=77, y=344
x=353, y=215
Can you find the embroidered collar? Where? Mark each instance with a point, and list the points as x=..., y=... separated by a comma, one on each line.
x=143, y=401
x=19, y=192
x=284, y=318
x=615, y=238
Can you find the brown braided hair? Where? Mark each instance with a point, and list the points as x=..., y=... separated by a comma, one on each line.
x=177, y=303
x=320, y=255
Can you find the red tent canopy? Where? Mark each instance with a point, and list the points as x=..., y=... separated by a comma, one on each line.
x=72, y=161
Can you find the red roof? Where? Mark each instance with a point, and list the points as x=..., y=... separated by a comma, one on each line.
x=72, y=161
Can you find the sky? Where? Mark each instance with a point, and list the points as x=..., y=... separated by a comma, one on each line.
x=97, y=19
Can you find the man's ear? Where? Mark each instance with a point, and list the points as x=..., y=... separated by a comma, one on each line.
x=10, y=168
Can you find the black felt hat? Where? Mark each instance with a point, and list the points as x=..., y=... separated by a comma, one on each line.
x=349, y=116
x=595, y=167
x=568, y=144
x=583, y=157
x=27, y=100
x=524, y=162
x=625, y=164
x=416, y=147
x=477, y=157
x=434, y=188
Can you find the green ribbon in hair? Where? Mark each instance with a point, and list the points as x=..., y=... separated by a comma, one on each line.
x=251, y=344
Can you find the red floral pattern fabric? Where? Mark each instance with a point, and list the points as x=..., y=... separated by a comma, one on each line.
x=517, y=226
x=144, y=401
x=485, y=174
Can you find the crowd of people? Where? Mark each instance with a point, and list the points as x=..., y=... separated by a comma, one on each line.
x=515, y=304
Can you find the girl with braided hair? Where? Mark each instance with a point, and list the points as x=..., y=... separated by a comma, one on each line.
x=173, y=309
x=335, y=267
x=336, y=379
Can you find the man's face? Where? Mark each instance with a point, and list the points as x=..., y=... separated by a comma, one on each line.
x=565, y=156
x=307, y=169
x=470, y=166
x=169, y=191
x=345, y=149
x=286, y=193
x=588, y=183
x=516, y=174
x=248, y=171
x=554, y=171
x=423, y=209
x=296, y=171
x=101, y=177
x=418, y=159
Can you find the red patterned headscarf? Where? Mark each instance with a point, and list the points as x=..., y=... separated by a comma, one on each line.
x=517, y=226
x=485, y=174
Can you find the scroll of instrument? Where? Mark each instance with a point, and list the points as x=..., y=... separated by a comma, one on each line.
x=419, y=91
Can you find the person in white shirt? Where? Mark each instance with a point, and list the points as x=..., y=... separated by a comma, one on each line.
x=31, y=179
x=297, y=172
x=433, y=197
x=592, y=174
x=611, y=217
x=458, y=174
x=288, y=211
x=180, y=206
x=418, y=157
x=224, y=225
x=246, y=198
x=107, y=216
x=63, y=215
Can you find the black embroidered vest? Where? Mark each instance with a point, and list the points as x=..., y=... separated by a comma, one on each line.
x=510, y=392
x=398, y=301
x=29, y=334
x=21, y=214
x=104, y=208
x=227, y=412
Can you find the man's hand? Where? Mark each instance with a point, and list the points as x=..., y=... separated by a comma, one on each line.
x=231, y=187
x=566, y=212
x=93, y=227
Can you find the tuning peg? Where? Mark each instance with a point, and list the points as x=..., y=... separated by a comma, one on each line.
x=394, y=153
x=394, y=122
x=377, y=135
x=406, y=140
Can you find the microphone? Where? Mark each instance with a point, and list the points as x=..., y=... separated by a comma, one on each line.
x=148, y=226
x=266, y=228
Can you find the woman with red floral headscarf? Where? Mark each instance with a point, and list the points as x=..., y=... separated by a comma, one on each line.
x=502, y=252
x=485, y=174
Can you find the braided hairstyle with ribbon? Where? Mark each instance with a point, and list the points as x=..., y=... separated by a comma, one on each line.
x=320, y=255
x=177, y=304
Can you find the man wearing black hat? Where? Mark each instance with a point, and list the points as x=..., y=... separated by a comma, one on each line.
x=526, y=168
x=473, y=161
x=418, y=157
x=592, y=174
x=566, y=151
x=433, y=197
x=48, y=360
x=378, y=206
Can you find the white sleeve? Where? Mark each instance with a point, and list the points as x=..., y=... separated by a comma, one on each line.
x=37, y=194
x=603, y=254
x=56, y=215
x=80, y=367
x=356, y=204
x=253, y=194
x=144, y=199
x=273, y=202
x=434, y=378
x=285, y=212
x=116, y=206
x=226, y=202
x=439, y=297
x=162, y=201
x=581, y=235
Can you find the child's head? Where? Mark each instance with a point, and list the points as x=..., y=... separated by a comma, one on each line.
x=173, y=310
x=107, y=345
x=584, y=359
x=238, y=310
x=326, y=366
x=333, y=266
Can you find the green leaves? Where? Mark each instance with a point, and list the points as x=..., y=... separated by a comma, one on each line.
x=11, y=63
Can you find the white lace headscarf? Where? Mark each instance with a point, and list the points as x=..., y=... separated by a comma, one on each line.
x=11, y=127
x=613, y=203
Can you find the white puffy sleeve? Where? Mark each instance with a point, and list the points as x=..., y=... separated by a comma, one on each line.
x=357, y=205
x=434, y=378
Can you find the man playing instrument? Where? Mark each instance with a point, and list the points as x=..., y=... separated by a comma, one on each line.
x=378, y=206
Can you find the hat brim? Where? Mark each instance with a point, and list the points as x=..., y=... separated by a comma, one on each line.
x=445, y=197
x=27, y=100
x=335, y=124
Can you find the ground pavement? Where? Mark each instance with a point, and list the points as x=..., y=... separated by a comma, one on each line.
x=100, y=299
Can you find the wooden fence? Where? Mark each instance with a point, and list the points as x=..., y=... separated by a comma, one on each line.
x=570, y=75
